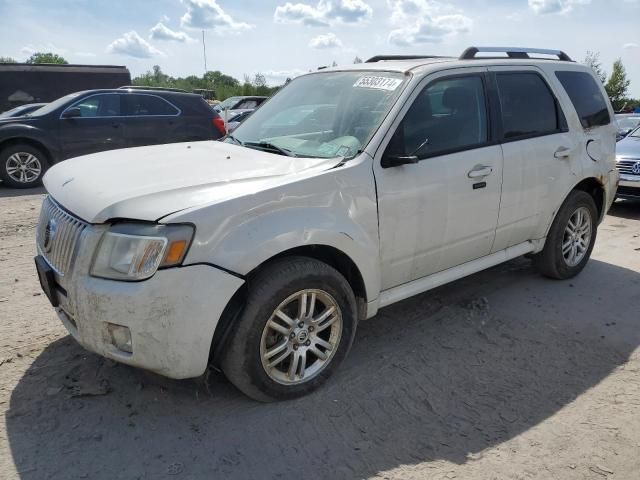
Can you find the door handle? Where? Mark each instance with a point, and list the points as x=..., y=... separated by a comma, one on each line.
x=480, y=171
x=562, y=152
x=115, y=125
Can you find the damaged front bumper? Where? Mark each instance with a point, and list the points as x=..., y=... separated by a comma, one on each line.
x=170, y=318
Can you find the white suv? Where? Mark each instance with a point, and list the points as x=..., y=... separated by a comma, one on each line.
x=352, y=188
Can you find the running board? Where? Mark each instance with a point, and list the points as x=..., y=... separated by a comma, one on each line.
x=423, y=284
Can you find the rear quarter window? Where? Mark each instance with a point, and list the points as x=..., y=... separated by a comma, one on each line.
x=586, y=97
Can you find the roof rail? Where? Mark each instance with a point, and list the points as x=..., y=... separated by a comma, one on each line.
x=379, y=58
x=142, y=87
x=514, y=52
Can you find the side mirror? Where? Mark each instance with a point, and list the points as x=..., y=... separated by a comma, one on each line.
x=390, y=160
x=72, y=113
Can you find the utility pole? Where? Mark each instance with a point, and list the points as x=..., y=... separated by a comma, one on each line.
x=204, y=52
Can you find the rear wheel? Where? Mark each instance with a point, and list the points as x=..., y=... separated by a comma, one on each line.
x=22, y=166
x=571, y=238
x=296, y=328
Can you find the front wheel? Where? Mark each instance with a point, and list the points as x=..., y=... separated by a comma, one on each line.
x=571, y=238
x=22, y=166
x=297, y=326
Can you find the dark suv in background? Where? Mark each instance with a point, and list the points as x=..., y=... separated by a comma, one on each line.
x=97, y=120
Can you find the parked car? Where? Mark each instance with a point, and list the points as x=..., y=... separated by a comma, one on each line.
x=96, y=120
x=236, y=120
x=626, y=123
x=234, y=105
x=260, y=254
x=628, y=163
x=22, y=110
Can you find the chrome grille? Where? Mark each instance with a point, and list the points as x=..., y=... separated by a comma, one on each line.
x=626, y=165
x=57, y=235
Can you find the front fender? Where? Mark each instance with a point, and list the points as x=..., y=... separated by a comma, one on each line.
x=23, y=131
x=336, y=208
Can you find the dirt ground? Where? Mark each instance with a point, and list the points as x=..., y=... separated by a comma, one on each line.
x=503, y=375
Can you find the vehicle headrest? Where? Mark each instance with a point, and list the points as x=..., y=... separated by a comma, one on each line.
x=459, y=99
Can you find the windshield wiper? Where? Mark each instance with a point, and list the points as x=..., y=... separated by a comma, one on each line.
x=234, y=139
x=270, y=146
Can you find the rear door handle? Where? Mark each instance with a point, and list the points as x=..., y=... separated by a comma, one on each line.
x=562, y=152
x=480, y=171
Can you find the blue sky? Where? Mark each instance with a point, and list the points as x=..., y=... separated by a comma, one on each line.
x=281, y=38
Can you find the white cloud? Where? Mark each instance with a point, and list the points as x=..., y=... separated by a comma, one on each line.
x=30, y=49
x=630, y=46
x=325, y=41
x=207, y=14
x=162, y=32
x=424, y=21
x=542, y=7
x=324, y=12
x=133, y=45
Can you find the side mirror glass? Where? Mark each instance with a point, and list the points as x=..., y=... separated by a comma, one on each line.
x=72, y=113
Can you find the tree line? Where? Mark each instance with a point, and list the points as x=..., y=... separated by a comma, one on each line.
x=223, y=86
x=616, y=84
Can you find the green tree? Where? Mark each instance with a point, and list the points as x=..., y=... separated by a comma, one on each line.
x=7, y=60
x=592, y=59
x=48, y=57
x=617, y=85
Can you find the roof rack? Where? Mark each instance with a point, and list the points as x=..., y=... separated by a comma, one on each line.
x=514, y=52
x=379, y=58
x=141, y=87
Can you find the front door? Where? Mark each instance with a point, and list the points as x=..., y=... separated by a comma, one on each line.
x=98, y=128
x=441, y=211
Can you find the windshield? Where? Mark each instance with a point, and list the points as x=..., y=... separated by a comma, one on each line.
x=324, y=115
x=226, y=104
x=628, y=123
x=50, y=107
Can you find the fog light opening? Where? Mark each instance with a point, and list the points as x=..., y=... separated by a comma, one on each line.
x=120, y=337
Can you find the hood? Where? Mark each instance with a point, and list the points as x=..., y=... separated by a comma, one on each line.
x=148, y=183
x=628, y=147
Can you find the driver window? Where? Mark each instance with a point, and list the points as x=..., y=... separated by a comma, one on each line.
x=448, y=115
x=99, y=106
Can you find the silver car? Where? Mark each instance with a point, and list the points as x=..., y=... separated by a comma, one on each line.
x=628, y=163
x=626, y=123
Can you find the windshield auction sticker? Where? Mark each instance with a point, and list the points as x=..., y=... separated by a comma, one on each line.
x=379, y=83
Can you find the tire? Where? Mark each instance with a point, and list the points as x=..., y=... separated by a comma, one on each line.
x=280, y=286
x=552, y=262
x=22, y=166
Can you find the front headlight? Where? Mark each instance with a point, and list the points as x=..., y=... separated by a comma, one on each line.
x=135, y=251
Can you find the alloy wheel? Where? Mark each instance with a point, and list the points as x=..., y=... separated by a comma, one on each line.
x=577, y=237
x=23, y=167
x=301, y=337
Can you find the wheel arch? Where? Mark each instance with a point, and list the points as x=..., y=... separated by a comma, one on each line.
x=594, y=187
x=325, y=253
x=9, y=142
x=591, y=185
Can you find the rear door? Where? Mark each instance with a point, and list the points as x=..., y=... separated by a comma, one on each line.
x=98, y=128
x=150, y=120
x=541, y=161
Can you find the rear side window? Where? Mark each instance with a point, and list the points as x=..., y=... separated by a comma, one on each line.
x=586, y=98
x=146, y=105
x=527, y=105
